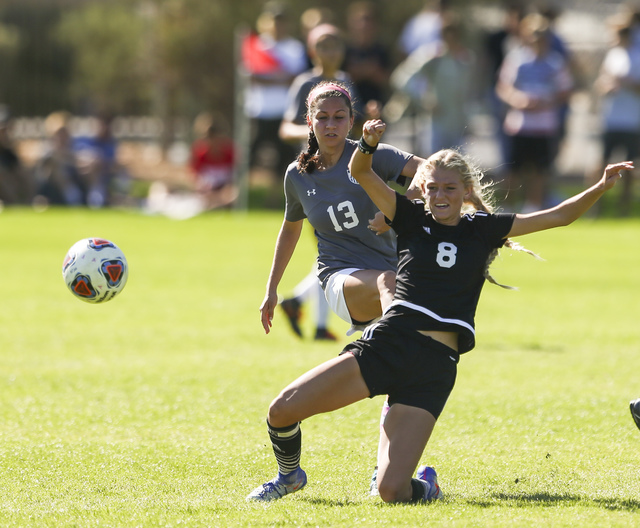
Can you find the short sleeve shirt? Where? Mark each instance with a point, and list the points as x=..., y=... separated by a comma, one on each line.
x=339, y=211
x=441, y=268
x=540, y=77
x=621, y=108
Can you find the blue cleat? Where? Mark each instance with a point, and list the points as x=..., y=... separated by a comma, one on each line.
x=279, y=487
x=429, y=479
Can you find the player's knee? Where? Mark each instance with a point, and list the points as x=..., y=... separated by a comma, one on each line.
x=390, y=491
x=279, y=414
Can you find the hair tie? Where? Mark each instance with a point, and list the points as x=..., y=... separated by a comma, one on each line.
x=323, y=88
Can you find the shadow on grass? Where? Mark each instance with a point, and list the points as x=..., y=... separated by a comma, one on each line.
x=548, y=499
x=515, y=500
x=329, y=503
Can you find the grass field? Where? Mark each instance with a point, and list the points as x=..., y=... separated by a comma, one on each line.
x=149, y=410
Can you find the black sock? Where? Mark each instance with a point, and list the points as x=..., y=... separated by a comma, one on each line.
x=287, y=446
x=417, y=490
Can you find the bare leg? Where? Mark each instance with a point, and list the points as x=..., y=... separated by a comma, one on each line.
x=404, y=436
x=330, y=386
x=368, y=292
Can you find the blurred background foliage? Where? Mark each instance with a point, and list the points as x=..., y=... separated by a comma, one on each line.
x=143, y=57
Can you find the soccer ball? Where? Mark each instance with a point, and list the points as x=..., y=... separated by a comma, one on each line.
x=95, y=270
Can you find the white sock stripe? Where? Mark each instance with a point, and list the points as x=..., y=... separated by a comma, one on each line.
x=290, y=458
x=288, y=464
x=284, y=434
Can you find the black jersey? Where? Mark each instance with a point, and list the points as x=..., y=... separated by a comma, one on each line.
x=441, y=268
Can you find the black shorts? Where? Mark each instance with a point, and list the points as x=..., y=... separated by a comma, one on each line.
x=628, y=142
x=411, y=368
x=532, y=151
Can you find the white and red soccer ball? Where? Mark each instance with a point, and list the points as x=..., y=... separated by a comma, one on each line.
x=95, y=270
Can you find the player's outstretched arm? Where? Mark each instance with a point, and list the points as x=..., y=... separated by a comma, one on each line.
x=572, y=208
x=285, y=246
x=360, y=166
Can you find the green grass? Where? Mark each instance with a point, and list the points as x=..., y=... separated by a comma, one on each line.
x=149, y=410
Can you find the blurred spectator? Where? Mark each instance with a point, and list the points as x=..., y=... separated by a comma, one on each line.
x=310, y=18
x=272, y=59
x=556, y=43
x=212, y=156
x=15, y=184
x=107, y=181
x=533, y=82
x=449, y=70
x=367, y=59
x=211, y=169
x=326, y=48
x=57, y=176
x=618, y=84
x=423, y=28
x=501, y=41
x=496, y=46
x=421, y=31
x=631, y=12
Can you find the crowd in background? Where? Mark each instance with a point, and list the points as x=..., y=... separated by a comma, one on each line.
x=80, y=170
x=523, y=73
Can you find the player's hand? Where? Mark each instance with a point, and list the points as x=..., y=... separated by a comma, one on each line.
x=267, y=308
x=372, y=131
x=612, y=173
x=378, y=224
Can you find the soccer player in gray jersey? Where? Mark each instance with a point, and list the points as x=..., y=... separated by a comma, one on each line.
x=411, y=354
x=326, y=47
x=356, y=266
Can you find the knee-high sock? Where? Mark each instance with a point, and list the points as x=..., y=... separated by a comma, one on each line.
x=287, y=446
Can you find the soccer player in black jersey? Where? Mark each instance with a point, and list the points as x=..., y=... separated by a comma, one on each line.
x=635, y=411
x=411, y=354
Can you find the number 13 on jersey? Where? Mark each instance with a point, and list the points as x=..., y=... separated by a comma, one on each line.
x=348, y=212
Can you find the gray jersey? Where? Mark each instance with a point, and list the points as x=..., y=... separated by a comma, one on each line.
x=339, y=211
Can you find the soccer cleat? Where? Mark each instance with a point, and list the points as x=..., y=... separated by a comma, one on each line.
x=373, y=487
x=279, y=487
x=635, y=411
x=322, y=334
x=428, y=476
x=291, y=308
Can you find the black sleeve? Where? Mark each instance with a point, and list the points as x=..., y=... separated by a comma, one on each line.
x=496, y=227
x=409, y=215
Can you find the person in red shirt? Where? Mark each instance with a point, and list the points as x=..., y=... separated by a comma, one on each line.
x=212, y=157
